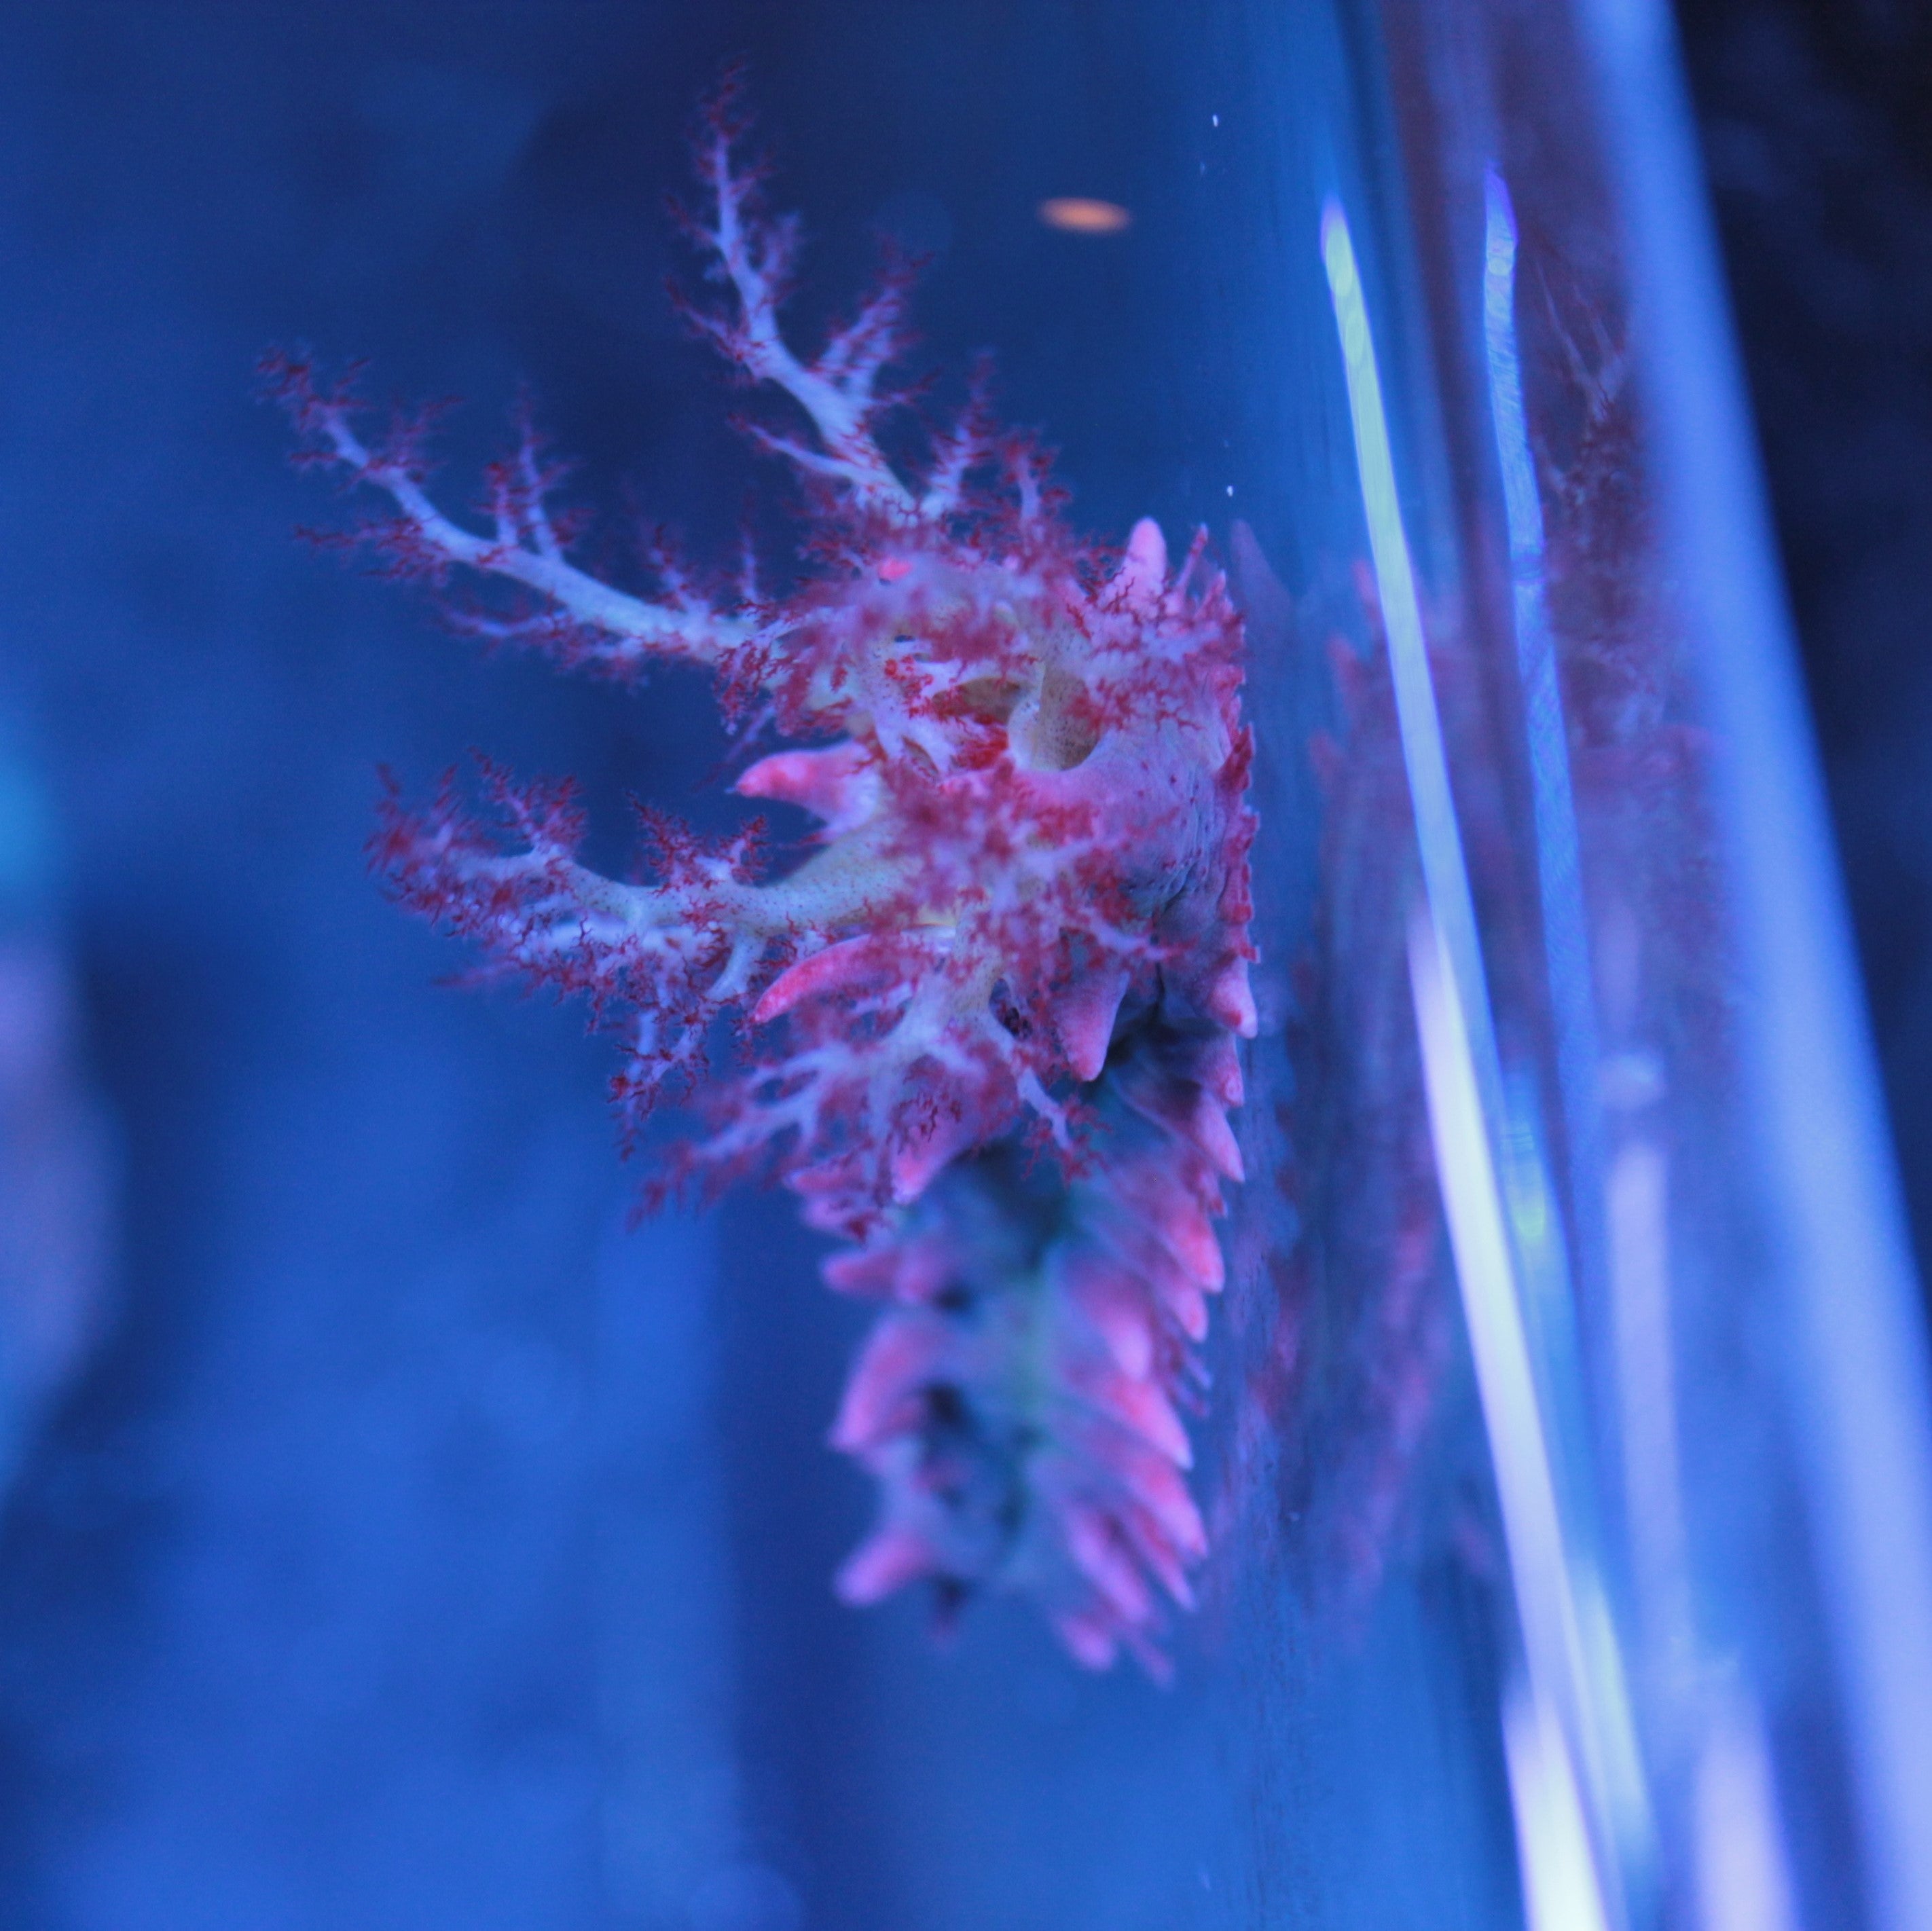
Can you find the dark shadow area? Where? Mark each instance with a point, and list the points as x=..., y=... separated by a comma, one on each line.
x=1819, y=151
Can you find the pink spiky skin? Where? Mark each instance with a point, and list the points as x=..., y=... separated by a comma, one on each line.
x=1023, y=927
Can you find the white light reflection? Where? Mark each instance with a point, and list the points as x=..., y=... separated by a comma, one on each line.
x=1559, y=1881
x=1742, y=1884
x=1736, y=1837
x=1460, y=1074
x=1445, y=875
x=1637, y=1200
x=1553, y=1837
x=1479, y=1236
x=1545, y=735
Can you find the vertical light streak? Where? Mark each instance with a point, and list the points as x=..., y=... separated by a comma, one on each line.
x=1505, y=1379
x=1444, y=873
x=1738, y=1851
x=1637, y=1193
x=1809, y=1092
x=1559, y=1885
x=1558, y=876
x=1742, y=1882
x=1546, y=1722
x=1463, y=1084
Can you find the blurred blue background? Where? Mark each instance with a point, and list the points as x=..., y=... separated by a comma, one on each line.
x=417, y=1547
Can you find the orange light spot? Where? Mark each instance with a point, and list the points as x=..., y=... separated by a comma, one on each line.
x=1077, y=214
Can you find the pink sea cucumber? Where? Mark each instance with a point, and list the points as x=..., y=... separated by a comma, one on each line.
x=986, y=1028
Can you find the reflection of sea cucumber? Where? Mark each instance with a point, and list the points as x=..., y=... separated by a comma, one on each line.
x=993, y=1014
x=1369, y=1309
